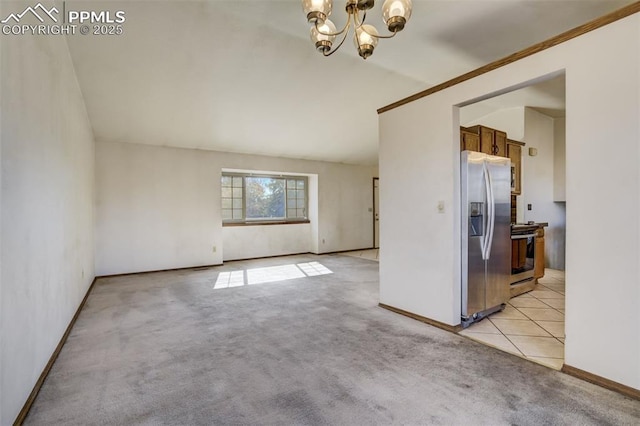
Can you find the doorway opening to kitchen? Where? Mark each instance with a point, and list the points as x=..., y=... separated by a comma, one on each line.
x=527, y=126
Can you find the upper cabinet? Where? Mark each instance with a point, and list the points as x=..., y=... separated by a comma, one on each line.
x=495, y=142
x=469, y=141
x=492, y=141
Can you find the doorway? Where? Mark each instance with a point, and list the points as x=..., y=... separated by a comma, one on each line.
x=532, y=120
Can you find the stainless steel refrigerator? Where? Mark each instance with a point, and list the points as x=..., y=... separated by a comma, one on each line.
x=486, y=234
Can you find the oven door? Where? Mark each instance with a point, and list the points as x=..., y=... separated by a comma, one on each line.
x=523, y=254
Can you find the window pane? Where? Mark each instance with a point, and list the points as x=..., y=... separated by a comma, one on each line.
x=246, y=197
x=265, y=197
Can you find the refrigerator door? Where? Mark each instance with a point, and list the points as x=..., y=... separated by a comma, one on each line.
x=485, y=231
x=498, y=265
x=474, y=231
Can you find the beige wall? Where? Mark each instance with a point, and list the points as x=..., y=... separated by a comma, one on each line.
x=159, y=208
x=46, y=212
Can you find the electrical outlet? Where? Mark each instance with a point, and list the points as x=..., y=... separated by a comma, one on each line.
x=440, y=206
x=323, y=241
x=528, y=206
x=215, y=249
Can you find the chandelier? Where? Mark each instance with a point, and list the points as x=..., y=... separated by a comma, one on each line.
x=395, y=14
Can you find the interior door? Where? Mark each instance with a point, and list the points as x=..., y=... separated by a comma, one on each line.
x=376, y=214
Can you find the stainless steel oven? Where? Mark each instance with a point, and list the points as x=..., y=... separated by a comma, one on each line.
x=523, y=252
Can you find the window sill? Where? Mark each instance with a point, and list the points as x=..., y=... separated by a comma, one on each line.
x=263, y=223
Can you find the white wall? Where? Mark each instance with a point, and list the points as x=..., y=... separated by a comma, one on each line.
x=47, y=208
x=538, y=182
x=559, y=160
x=1, y=298
x=159, y=208
x=510, y=120
x=246, y=242
x=155, y=209
x=419, y=250
x=419, y=165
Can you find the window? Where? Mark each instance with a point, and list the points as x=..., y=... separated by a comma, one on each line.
x=232, y=197
x=250, y=198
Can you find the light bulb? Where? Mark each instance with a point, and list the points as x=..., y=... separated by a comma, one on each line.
x=317, y=10
x=365, y=40
x=396, y=13
x=323, y=42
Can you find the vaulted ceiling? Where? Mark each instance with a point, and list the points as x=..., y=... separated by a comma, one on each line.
x=243, y=76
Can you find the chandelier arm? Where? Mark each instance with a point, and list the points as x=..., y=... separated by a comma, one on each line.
x=381, y=36
x=357, y=21
x=344, y=37
x=355, y=32
x=346, y=27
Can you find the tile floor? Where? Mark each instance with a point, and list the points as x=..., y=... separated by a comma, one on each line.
x=532, y=324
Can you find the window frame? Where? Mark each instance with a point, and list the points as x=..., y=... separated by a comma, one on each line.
x=244, y=221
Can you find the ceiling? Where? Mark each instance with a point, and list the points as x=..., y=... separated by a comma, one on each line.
x=243, y=76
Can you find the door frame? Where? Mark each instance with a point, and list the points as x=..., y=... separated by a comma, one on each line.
x=375, y=211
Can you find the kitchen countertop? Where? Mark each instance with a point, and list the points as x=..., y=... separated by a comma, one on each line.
x=536, y=224
x=525, y=227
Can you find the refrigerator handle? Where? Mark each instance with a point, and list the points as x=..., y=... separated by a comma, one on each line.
x=487, y=216
x=492, y=214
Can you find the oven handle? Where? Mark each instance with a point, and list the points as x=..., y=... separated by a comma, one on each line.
x=522, y=237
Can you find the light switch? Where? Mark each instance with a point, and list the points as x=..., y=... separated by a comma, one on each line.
x=441, y=206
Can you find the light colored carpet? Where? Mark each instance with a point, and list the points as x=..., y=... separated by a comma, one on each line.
x=166, y=348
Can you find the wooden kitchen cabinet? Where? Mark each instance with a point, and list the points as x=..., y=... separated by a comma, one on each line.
x=500, y=143
x=469, y=141
x=538, y=266
x=514, y=152
x=492, y=141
